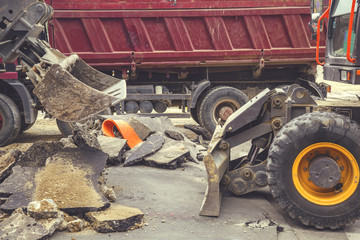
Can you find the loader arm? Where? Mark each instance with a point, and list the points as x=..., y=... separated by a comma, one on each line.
x=258, y=120
x=68, y=88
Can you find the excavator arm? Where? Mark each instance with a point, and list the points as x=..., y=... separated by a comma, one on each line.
x=68, y=88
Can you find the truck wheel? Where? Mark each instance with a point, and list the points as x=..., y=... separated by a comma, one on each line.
x=313, y=170
x=219, y=103
x=10, y=121
x=25, y=126
x=66, y=128
x=194, y=114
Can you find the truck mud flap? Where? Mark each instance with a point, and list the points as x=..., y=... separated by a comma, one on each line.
x=72, y=90
x=216, y=164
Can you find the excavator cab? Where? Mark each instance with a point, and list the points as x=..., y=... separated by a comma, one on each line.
x=68, y=88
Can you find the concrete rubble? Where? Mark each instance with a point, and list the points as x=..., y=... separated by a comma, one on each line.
x=116, y=218
x=150, y=146
x=114, y=147
x=199, y=130
x=171, y=155
x=37, y=154
x=7, y=161
x=53, y=185
x=141, y=129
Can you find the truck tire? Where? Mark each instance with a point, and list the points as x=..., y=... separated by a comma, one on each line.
x=66, y=128
x=219, y=103
x=10, y=121
x=313, y=170
x=25, y=126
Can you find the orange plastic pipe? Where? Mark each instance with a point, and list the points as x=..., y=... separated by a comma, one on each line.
x=324, y=15
x=124, y=128
x=352, y=60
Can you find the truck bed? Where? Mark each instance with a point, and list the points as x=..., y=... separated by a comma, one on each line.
x=203, y=33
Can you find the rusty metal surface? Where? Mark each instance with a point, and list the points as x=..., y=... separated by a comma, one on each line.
x=192, y=33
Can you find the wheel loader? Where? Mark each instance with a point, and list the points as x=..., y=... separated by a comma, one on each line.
x=305, y=150
x=68, y=88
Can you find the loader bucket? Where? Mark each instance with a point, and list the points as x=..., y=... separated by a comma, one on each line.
x=216, y=163
x=74, y=91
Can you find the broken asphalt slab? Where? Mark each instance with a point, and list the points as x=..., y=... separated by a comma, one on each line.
x=69, y=178
x=114, y=147
x=160, y=125
x=199, y=130
x=174, y=135
x=141, y=129
x=7, y=161
x=150, y=146
x=170, y=156
x=116, y=218
x=37, y=154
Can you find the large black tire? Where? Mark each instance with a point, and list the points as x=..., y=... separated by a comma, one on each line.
x=25, y=126
x=302, y=142
x=10, y=121
x=66, y=128
x=217, y=100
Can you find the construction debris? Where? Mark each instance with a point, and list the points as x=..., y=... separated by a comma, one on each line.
x=52, y=177
x=163, y=127
x=150, y=146
x=37, y=154
x=7, y=161
x=114, y=147
x=43, y=209
x=18, y=188
x=21, y=226
x=174, y=135
x=121, y=128
x=109, y=193
x=116, y=218
x=76, y=225
x=85, y=140
x=189, y=134
x=170, y=156
x=199, y=130
x=69, y=178
x=142, y=130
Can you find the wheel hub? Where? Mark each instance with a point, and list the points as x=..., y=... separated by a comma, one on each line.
x=225, y=112
x=324, y=172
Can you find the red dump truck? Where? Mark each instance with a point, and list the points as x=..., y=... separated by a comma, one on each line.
x=195, y=54
x=206, y=56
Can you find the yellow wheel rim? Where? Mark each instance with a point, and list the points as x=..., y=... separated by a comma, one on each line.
x=349, y=179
